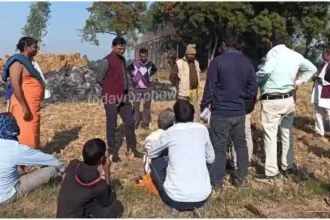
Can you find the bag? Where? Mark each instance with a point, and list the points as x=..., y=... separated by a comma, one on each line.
x=146, y=184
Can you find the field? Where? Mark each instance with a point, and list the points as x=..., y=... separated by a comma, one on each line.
x=66, y=126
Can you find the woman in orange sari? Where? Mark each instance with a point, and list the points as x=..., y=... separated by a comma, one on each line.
x=27, y=92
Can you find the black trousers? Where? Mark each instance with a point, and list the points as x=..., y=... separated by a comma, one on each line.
x=95, y=210
x=221, y=128
x=158, y=175
x=125, y=111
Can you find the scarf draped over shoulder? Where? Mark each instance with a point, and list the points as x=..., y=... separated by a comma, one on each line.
x=26, y=63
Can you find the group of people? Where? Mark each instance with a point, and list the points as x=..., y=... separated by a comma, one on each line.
x=185, y=158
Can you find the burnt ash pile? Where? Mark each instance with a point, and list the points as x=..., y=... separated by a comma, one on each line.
x=79, y=84
x=72, y=84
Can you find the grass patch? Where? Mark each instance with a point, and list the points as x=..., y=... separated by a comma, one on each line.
x=301, y=196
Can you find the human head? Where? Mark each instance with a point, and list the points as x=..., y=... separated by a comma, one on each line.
x=9, y=129
x=277, y=38
x=94, y=152
x=191, y=52
x=228, y=41
x=28, y=46
x=326, y=55
x=165, y=119
x=143, y=53
x=183, y=111
x=119, y=46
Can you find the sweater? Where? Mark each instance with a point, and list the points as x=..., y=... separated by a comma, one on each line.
x=115, y=85
x=231, y=80
x=82, y=185
x=141, y=73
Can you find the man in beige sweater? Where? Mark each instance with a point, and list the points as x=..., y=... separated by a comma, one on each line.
x=185, y=75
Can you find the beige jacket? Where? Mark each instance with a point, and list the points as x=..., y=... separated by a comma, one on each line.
x=183, y=74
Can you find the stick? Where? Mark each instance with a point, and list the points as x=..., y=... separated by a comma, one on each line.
x=318, y=211
x=254, y=210
x=327, y=200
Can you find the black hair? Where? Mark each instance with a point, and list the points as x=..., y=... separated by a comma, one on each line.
x=143, y=51
x=183, y=111
x=25, y=42
x=230, y=39
x=93, y=151
x=278, y=38
x=118, y=41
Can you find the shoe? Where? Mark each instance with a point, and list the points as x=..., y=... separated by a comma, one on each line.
x=240, y=184
x=263, y=178
x=318, y=136
x=289, y=172
x=115, y=158
x=229, y=166
x=135, y=152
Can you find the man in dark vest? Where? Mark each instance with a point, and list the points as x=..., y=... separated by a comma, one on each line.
x=113, y=78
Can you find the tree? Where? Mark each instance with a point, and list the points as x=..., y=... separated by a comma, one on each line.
x=115, y=18
x=203, y=22
x=37, y=21
x=133, y=38
x=304, y=22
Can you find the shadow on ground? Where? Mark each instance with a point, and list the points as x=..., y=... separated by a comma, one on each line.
x=62, y=139
x=317, y=146
x=304, y=123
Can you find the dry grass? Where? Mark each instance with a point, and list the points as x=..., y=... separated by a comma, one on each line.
x=68, y=125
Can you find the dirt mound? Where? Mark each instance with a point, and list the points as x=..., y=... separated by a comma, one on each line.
x=54, y=62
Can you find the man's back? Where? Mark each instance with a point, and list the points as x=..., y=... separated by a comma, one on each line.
x=81, y=186
x=278, y=72
x=230, y=79
x=189, y=149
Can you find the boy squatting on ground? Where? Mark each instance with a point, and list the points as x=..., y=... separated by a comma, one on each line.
x=83, y=192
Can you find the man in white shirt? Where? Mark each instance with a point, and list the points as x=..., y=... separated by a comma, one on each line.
x=276, y=78
x=321, y=95
x=182, y=178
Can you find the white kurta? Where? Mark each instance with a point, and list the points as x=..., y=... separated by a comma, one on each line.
x=317, y=89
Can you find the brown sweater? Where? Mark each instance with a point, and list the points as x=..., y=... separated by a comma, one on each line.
x=193, y=77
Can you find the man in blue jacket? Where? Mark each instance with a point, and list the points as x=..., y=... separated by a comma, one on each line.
x=230, y=81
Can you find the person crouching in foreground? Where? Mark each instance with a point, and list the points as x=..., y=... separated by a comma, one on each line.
x=14, y=154
x=83, y=192
x=182, y=178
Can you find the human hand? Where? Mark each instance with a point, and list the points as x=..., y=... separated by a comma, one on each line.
x=27, y=115
x=106, y=164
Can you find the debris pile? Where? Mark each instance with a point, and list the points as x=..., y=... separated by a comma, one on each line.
x=54, y=62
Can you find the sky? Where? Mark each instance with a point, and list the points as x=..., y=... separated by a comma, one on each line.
x=62, y=36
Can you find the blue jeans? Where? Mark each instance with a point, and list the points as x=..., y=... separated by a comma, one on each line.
x=221, y=129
